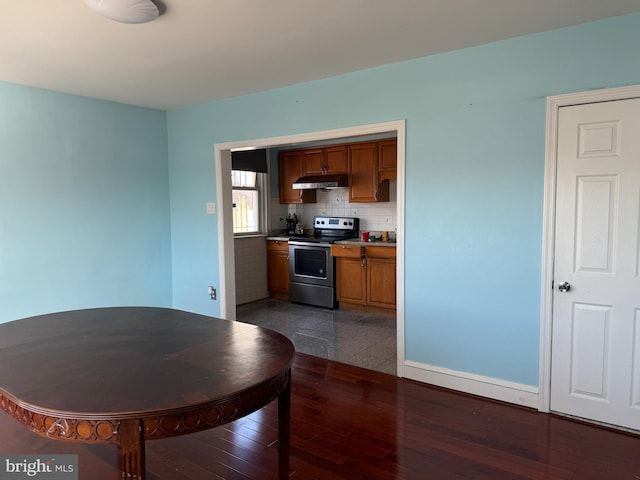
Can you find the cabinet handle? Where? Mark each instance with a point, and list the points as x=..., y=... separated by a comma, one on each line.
x=364, y=265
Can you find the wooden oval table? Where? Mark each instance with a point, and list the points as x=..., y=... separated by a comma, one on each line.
x=129, y=374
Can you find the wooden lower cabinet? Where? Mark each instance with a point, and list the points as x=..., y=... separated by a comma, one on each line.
x=278, y=269
x=381, y=282
x=366, y=275
x=351, y=274
x=381, y=276
x=351, y=280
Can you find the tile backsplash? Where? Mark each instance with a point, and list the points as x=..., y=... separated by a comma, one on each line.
x=335, y=203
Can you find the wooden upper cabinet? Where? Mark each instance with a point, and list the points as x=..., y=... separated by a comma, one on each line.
x=335, y=159
x=370, y=166
x=329, y=160
x=290, y=169
x=313, y=163
x=365, y=184
x=388, y=159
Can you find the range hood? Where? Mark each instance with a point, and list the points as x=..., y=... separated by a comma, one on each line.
x=312, y=182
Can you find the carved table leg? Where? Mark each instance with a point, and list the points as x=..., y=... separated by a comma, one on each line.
x=284, y=429
x=131, y=450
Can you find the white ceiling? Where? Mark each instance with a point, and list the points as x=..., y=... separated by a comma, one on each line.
x=204, y=50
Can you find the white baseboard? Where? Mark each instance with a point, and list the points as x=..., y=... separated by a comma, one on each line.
x=517, y=393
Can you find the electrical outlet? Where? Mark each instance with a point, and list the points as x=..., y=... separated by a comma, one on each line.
x=354, y=211
x=211, y=208
x=387, y=219
x=337, y=200
x=323, y=212
x=212, y=292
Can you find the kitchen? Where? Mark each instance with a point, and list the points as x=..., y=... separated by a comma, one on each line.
x=364, y=272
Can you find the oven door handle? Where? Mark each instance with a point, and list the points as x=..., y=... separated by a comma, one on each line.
x=308, y=244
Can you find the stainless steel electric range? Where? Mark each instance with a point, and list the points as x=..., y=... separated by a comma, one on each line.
x=311, y=267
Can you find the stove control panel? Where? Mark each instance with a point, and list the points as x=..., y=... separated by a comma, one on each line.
x=336, y=223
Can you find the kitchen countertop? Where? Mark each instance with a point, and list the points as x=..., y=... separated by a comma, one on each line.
x=357, y=241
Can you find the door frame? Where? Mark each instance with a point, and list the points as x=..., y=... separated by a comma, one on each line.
x=548, y=220
x=226, y=260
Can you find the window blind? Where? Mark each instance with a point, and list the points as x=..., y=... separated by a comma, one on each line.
x=250, y=160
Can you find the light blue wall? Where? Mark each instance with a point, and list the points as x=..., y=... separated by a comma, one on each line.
x=85, y=218
x=84, y=204
x=474, y=180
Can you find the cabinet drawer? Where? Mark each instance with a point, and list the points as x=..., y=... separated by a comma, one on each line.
x=277, y=246
x=350, y=251
x=381, y=252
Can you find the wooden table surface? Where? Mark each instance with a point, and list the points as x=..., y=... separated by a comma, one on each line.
x=129, y=374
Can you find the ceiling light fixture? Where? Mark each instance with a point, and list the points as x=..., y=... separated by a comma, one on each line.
x=125, y=11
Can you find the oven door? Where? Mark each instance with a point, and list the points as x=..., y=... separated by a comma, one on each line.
x=311, y=264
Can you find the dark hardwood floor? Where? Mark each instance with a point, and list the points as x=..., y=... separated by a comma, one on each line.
x=351, y=423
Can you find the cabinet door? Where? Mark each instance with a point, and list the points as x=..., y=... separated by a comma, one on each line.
x=388, y=160
x=363, y=170
x=313, y=161
x=335, y=159
x=278, y=267
x=323, y=161
x=381, y=282
x=290, y=169
x=351, y=280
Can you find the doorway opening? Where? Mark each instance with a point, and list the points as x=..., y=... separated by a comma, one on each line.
x=225, y=222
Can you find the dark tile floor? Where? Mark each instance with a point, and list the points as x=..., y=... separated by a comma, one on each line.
x=355, y=338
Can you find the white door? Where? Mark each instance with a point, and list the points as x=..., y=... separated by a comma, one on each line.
x=595, y=365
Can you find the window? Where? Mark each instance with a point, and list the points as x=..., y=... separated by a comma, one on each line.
x=249, y=201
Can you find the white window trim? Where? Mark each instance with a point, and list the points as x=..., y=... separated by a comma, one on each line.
x=262, y=182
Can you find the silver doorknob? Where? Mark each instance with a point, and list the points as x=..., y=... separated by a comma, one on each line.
x=564, y=287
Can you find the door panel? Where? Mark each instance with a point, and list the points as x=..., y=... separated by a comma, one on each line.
x=589, y=351
x=596, y=223
x=595, y=371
